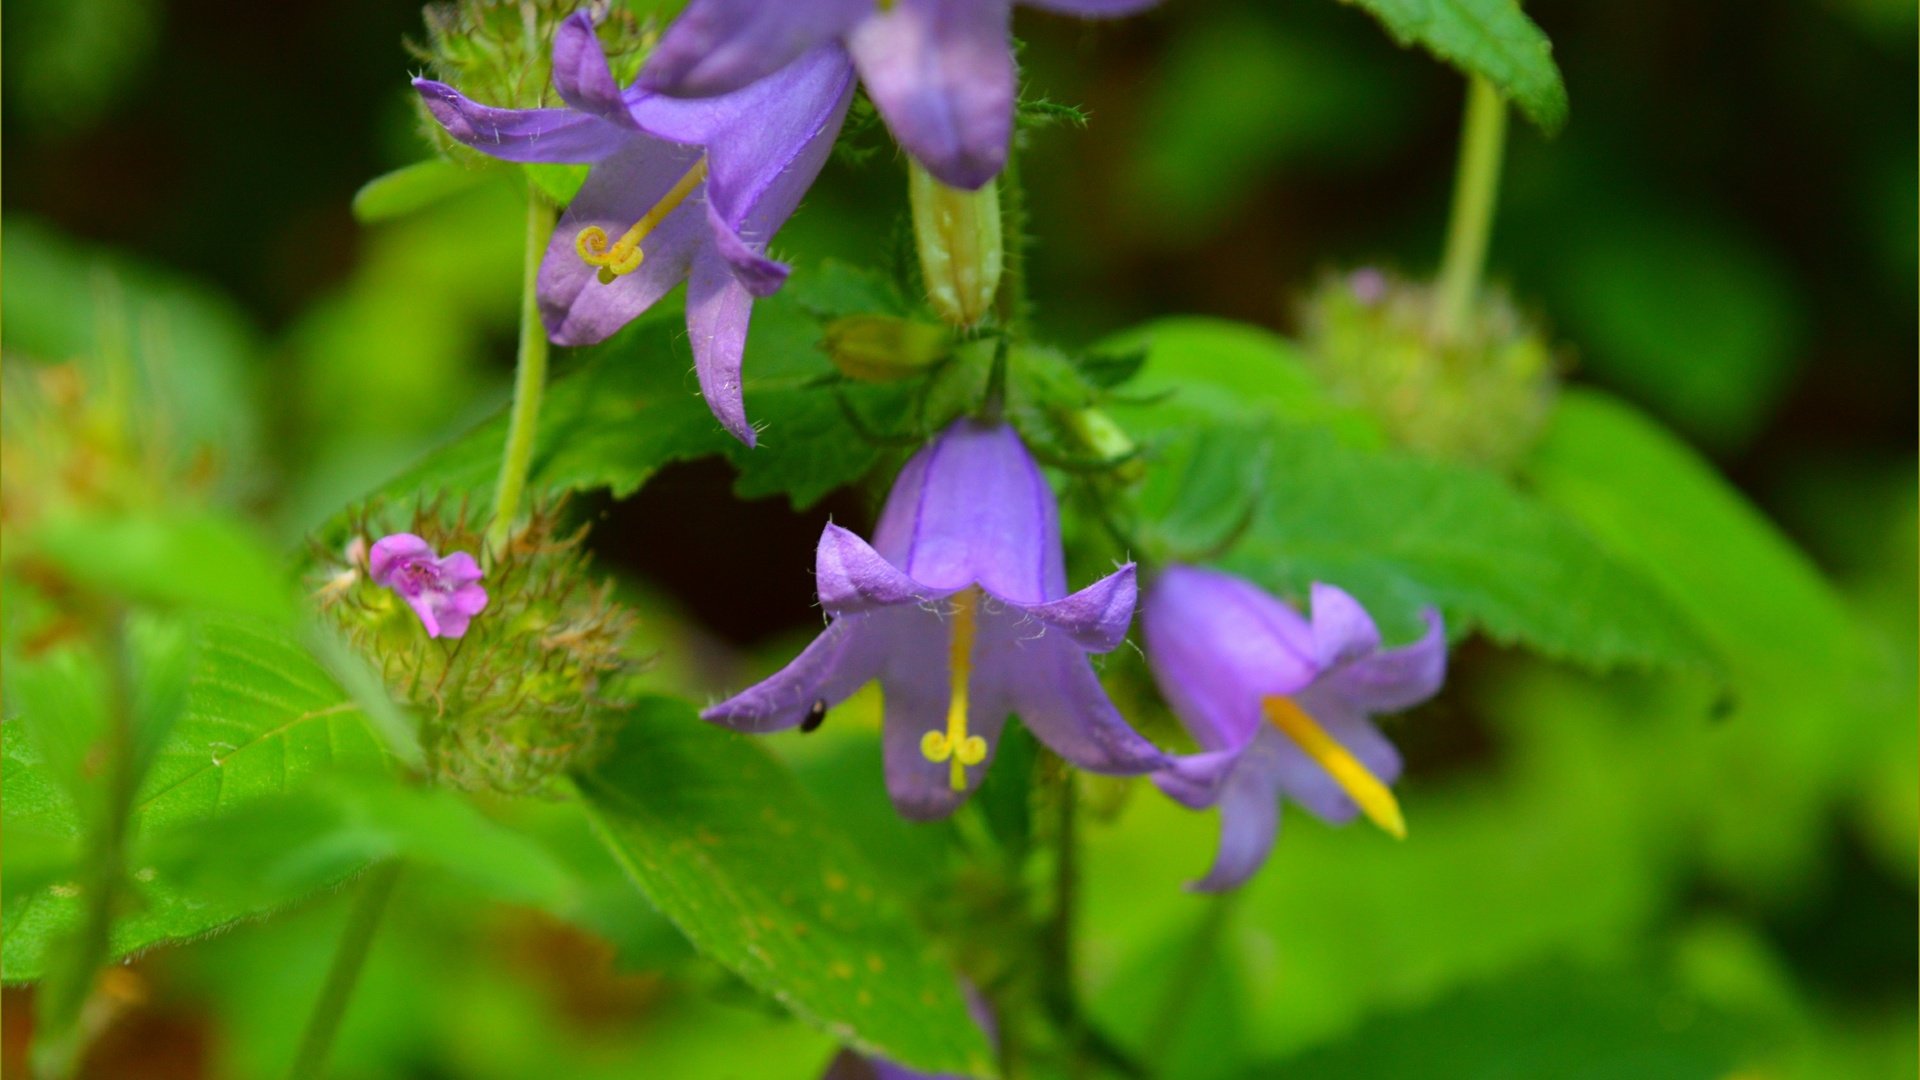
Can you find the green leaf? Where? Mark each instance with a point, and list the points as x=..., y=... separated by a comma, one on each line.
x=1659, y=507
x=409, y=188
x=261, y=719
x=1493, y=39
x=632, y=407
x=1400, y=532
x=1200, y=370
x=725, y=844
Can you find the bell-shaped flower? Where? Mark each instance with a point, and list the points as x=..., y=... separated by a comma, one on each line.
x=960, y=609
x=940, y=72
x=1280, y=705
x=679, y=190
x=445, y=593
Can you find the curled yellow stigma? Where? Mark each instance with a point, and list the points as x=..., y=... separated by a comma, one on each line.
x=624, y=256
x=954, y=744
x=1365, y=789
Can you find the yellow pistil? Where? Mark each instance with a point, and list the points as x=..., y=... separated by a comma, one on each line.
x=954, y=744
x=1365, y=789
x=625, y=256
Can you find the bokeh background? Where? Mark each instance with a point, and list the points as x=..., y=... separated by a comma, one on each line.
x=1603, y=877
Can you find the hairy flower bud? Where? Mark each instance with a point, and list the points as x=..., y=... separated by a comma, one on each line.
x=958, y=234
x=538, y=676
x=882, y=348
x=1480, y=396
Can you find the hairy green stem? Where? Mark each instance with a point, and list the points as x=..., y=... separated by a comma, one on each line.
x=1010, y=305
x=316, y=1042
x=62, y=1007
x=1482, y=139
x=529, y=381
x=1058, y=945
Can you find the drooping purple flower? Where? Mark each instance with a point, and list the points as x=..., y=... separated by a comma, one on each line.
x=679, y=190
x=445, y=593
x=1280, y=705
x=960, y=608
x=940, y=71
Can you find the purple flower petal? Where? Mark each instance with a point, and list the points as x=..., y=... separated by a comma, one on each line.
x=526, y=135
x=717, y=46
x=1306, y=781
x=577, y=307
x=389, y=553
x=444, y=593
x=718, y=308
x=915, y=686
x=1342, y=629
x=1048, y=681
x=581, y=74
x=1217, y=645
x=1395, y=679
x=841, y=660
x=852, y=577
x=1249, y=822
x=941, y=74
x=758, y=274
x=1096, y=617
x=973, y=508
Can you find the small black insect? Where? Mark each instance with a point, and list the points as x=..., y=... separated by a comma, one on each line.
x=816, y=715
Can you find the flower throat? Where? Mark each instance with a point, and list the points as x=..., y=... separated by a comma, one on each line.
x=624, y=255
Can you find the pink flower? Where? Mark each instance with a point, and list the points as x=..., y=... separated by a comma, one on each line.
x=445, y=593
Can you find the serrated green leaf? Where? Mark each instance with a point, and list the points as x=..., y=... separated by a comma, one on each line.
x=633, y=407
x=1659, y=506
x=1493, y=39
x=723, y=841
x=261, y=719
x=410, y=188
x=1401, y=532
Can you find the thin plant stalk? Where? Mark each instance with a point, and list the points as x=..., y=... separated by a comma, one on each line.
x=1476, y=184
x=529, y=381
x=316, y=1042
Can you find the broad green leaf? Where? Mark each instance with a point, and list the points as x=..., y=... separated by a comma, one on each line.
x=261, y=719
x=1661, y=508
x=1201, y=370
x=1401, y=532
x=410, y=188
x=1493, y=39
x=633, y=407
x=725, y=844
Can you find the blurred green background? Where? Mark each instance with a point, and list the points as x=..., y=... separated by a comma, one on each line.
x=1603, y=880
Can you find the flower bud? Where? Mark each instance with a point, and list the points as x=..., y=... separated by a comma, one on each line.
x=882, y=348
x=958, y=234
x=1481, y=395
x=1106, y=441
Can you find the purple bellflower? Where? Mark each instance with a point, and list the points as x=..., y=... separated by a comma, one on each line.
x=1280, y=705
x=445, y=593
x=679, y=190
x=960, y=608
x=939, y=71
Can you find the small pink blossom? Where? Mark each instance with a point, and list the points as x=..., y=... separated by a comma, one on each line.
x=445, y=593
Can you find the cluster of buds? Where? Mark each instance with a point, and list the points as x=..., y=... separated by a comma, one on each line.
x=1480, y=394
x=517, y=669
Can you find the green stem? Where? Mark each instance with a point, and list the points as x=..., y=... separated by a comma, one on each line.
x=1184, y=983
x=344, y=973
x=1058, y=945
x=63, y=999
x=530, y=379
x=1477, y=182
x=1010, y=305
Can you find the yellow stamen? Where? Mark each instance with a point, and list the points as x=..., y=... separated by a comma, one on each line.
x=955, y=744
x=1365, y=789
x=625, y=256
